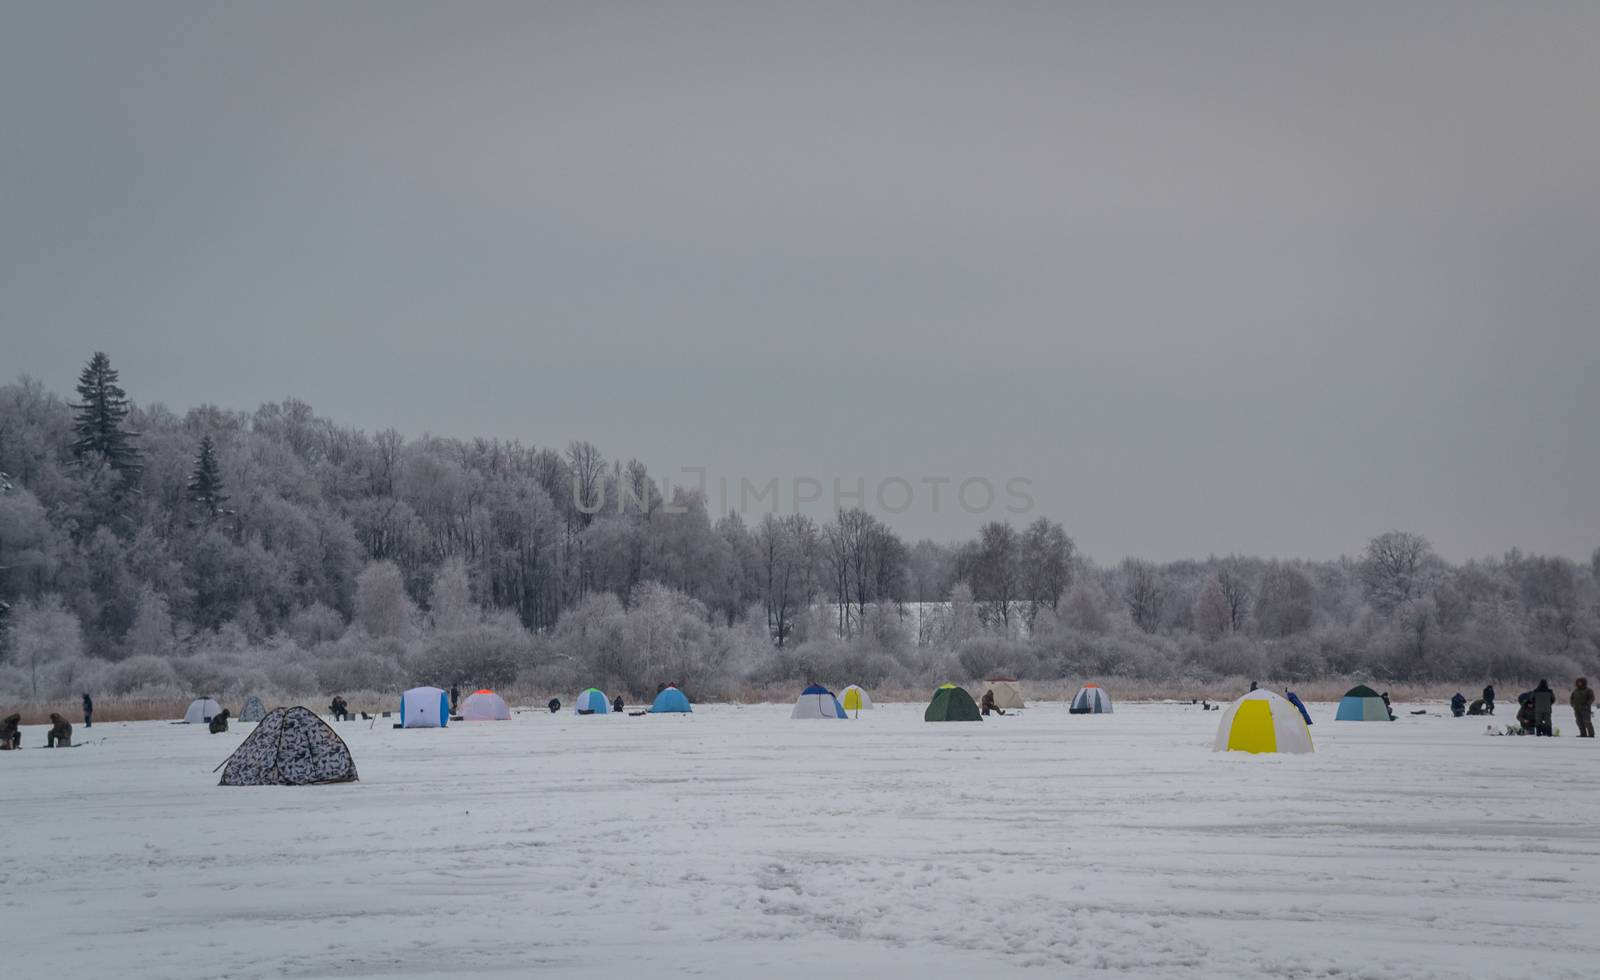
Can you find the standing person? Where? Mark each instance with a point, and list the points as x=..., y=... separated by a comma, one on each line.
x=88, y=711
x=1544, y=702
x=455, y=698
x=1387, y=706
x=60, y=735
x=1582, y=701
x=1488, y=699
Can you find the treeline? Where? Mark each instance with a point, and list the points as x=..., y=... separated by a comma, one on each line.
x=218, y=551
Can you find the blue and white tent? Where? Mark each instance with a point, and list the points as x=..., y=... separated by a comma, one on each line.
x=817, y=701
x=670, y=701
x=592, y=702
x=424, y=707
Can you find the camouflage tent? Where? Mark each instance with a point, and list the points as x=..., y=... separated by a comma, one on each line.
x=290, y=747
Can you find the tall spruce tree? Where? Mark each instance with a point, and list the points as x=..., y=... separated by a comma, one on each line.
x=205, y=485
x=102, y=408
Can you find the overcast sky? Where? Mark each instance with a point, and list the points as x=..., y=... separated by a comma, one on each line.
x=1261, y=278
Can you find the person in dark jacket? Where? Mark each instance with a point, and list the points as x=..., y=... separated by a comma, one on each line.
x=555, y=705
x=219, y=721
x=1294, y=699
x=1488, y=699
x=1476, y=708
x=1544, y=703
x=987, y=704
x=617, y=704
x=11, y=732
x=60, y=735
x=1253, y=685
x=340, y=708
x=1526, y=716
x=455, y=698
x=1458, y=704
x=1387, y=706
x=1582, y=701
x=88, y=710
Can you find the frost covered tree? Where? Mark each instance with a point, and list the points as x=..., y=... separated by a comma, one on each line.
x=1046, y=566
x=151, y=634
x=205, y=483
x=99, y=415
x=382, y=606
x=1144, y=593
x=44, y=634
x=1394, y=567
x=450, y=604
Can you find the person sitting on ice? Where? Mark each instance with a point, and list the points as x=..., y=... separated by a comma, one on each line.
x=1476, y=708
x=340, y=708
x=988, y=705
x=219, y=722
x=60, y=734
x=1458, y=704
x=1527, y=715
x=617, y=704
x=555, y=705
x=11, y=732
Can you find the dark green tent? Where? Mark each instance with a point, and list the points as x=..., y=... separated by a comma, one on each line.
x=951, y=703
x=1361, y=691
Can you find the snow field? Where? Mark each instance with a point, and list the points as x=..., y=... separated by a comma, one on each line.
x=736, y=842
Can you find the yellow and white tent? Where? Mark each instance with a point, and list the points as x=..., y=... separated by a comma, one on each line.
x=1263, y=722
x=855, y=699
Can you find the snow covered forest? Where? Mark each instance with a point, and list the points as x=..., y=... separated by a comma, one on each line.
x=145, y=553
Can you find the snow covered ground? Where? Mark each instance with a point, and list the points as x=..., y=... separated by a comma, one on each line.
x=739, y=843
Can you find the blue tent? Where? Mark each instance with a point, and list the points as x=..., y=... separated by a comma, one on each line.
x=670, y=701
x=1362, y=703
x=1294, y=699
x=592, y=702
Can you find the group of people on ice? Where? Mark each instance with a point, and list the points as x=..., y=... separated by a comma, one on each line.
x=1536, y=708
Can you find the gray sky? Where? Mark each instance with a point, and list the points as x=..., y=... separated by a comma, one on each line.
x=1266, y=278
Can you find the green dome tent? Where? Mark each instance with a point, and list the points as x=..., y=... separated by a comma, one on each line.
x=951, y=703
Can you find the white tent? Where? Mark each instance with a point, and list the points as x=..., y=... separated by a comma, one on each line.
x=817, y=701
x=424, y=707
x=485, y=706
x=1007, y=692
x=201, y=711
x=1091, y=699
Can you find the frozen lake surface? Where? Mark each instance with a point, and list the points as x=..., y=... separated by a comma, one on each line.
x=738, y=843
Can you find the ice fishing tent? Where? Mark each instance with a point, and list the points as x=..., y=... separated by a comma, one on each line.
x=201, y=711
x=855, y=699
x=592, y=702
x=817, y=701
x=253, y=709
x=670, y=701
x=1362, y=703
x=290, y=747
x=1007, y=692
x=951, y=703
x=1262, y=722
x=1091, y=699
x=485, y=706
x=424, y=707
